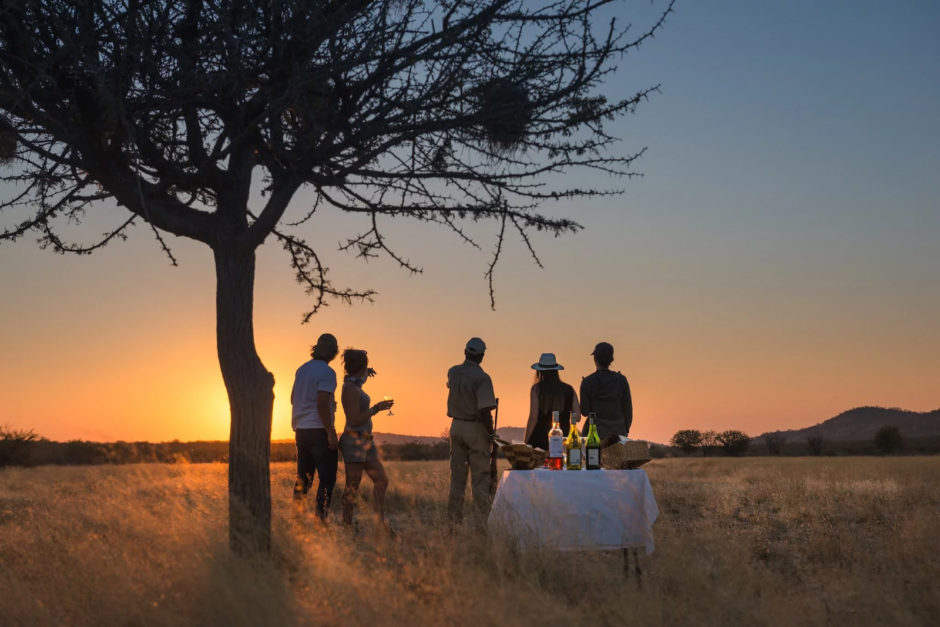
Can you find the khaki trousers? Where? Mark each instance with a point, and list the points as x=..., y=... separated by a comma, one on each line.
x=469, y=452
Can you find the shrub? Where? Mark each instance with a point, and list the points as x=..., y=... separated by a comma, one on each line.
x=888, y=440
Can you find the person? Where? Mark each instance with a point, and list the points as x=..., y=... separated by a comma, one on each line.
x=470, y=399
x=359, y=451
x=606, y=394
x=312, y=418
x=549, y=394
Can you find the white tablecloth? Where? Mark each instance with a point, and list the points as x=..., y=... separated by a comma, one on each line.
x=566, y=510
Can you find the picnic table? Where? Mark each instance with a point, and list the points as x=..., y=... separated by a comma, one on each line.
x=576, y=510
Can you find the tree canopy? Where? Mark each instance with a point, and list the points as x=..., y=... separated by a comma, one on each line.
x=436, y=111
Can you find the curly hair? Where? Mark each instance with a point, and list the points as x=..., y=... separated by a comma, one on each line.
x=355, y=360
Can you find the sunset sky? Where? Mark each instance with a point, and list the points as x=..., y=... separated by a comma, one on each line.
x=777, y=264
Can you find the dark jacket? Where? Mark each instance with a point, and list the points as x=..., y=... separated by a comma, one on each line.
x=607, y=394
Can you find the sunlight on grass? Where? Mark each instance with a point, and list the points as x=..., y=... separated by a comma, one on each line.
x=746, y=541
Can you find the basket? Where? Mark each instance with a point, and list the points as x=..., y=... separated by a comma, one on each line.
x=523, y=456
x=626, y=455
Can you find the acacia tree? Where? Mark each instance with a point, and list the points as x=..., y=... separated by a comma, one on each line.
x=733, y=442
x=203, y=119
x=687, y=439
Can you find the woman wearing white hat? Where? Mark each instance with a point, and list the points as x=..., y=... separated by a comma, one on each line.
x=549, y=394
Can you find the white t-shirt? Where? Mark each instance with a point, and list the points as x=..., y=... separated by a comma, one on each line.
x=312, y=377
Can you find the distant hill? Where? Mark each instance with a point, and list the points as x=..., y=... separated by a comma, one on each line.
x=861, y=424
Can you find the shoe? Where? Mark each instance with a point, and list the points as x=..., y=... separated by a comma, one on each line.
x=299, y=491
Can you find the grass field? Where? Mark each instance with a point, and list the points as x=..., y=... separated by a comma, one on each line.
x=752, y=541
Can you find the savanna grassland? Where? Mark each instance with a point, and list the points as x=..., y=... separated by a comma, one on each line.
x=751, y=541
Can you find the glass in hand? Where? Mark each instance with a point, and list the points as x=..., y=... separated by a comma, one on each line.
x=390, y=399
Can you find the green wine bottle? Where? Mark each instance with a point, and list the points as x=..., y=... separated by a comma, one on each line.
x=573, y=445
x=592, y=447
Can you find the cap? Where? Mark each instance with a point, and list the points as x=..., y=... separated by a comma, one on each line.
x=603, y=350
x=547, y=362
x=475, y=346
x=327, y=341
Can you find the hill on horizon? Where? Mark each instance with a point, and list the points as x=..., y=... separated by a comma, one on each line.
x=862, y=423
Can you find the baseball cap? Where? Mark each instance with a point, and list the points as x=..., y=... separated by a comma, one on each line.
x=603, y=350
x=475, y=346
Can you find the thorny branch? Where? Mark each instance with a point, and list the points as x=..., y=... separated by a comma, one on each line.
x=187, y=113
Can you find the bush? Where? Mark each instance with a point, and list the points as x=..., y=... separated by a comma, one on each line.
x=888, y=440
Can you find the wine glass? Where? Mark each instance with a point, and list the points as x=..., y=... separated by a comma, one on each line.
x=388, y=398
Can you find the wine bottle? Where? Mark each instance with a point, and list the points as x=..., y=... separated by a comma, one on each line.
x=556, y=444
x=593, y=445
x=573, y=445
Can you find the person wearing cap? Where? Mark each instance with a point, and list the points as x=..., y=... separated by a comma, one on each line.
x=470, y=399
x=606, y=394
x=549, y=394
x=312, y=418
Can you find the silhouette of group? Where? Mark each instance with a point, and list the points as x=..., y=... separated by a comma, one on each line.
x=470, y=402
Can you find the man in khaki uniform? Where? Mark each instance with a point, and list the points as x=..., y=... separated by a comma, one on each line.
x=470, y=400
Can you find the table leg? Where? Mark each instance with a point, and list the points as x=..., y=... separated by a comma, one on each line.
x=637, y=571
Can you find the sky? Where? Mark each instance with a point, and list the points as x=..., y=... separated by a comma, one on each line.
x=777, y=263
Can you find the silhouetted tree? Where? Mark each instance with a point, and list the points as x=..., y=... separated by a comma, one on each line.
x=687, y=439
x=774, y=442
x=710, y=442
x=14, y=443
x=733, y=442
x=204, y=119
x=888, y=439
x=815, y=442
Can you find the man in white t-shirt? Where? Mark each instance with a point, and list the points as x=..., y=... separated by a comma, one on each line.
x=312, y=418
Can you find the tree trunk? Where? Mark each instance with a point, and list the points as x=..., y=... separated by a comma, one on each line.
x=251, y=399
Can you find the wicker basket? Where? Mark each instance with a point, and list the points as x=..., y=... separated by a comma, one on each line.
x=523, y=456
x=630, y=454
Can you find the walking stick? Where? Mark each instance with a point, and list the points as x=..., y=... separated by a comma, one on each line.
x=493, y=450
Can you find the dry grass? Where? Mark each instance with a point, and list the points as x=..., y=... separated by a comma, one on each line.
x=750, y=541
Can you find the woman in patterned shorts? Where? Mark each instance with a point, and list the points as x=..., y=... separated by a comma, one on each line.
x=356, y=444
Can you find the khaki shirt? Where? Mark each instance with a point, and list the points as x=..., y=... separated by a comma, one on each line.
x=470, y=390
